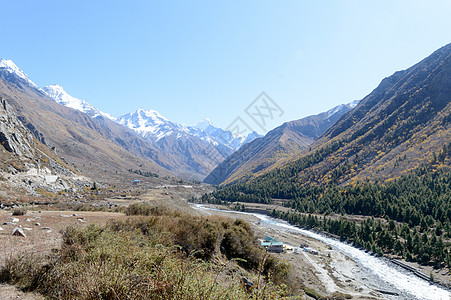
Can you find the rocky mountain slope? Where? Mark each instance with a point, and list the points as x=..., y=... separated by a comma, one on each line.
x=186, y=151
x=97, y=146
x=195, y=150
x=404, y=123
x=26, y=164
x=280, y=144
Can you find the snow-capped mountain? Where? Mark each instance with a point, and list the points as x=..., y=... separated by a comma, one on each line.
x=200, y=148
x=11, y=67
x=204, y=124
x=149, y=124
x=182, y=149
x=152, y=125
x=57, y=93
x=219, y=135
x=342, y=108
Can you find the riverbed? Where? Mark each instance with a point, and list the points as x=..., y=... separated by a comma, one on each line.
x=370, y=273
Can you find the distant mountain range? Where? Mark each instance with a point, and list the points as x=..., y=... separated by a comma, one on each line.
x=277, y=146
x=193, y=150
x=187, y=151
x=99, y=147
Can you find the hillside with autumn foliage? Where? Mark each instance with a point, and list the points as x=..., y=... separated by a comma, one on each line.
x=389, y=158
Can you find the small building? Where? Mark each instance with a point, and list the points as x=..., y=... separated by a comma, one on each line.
x=272, y=245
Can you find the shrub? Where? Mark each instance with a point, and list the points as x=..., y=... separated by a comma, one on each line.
x=151, y=257
x=20, y=211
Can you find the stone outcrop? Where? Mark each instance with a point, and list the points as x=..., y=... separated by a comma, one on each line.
x=14, y=137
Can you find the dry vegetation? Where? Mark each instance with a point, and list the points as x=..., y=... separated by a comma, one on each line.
x=161, y=255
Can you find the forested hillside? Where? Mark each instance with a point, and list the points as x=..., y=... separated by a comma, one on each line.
x=387, y=161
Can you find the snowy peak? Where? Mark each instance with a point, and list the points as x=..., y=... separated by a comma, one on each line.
x=145, y=121
x=202, y=125
x=151, y=116
x=353, y=103
x=341, y=107
x=57, y=93
x=225, y=137
x=152, y=125
x=11, y=67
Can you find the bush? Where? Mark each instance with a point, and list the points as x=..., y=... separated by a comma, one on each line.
x=146, y=209
x=203, y=237
x=153, y=257
x=19, y=211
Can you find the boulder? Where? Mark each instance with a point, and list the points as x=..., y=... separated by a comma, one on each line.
x=19, y=232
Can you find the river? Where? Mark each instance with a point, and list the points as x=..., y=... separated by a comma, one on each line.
x=382, y=274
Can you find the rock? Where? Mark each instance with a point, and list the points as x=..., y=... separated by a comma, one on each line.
x=27, y=220
x=19, y=232
x=14, y=137
x=26, y=228
x=46, y=228
x=9, y=223
x=1, y=229
x=65, y=216
x=81, y=220
x=14, y=220
x=37, y=224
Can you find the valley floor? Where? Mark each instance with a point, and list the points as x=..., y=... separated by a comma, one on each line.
x=327, y=273
x=441, y=276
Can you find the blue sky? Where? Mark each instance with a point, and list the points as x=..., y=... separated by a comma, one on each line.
x=195, y=59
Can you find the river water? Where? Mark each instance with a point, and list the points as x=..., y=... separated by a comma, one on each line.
x=379, y=272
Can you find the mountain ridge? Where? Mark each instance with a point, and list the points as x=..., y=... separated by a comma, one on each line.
x=190, y=153
x=56, y=92
x=403, y=123
x=92, y=144
x=278, y=145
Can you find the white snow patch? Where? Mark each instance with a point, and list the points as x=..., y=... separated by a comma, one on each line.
x=11, y=67
x=57, y=93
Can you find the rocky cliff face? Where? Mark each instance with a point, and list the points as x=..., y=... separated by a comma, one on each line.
x=14, y=137
x=27, y=165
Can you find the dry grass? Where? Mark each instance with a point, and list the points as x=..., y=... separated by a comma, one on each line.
x=153, y=257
